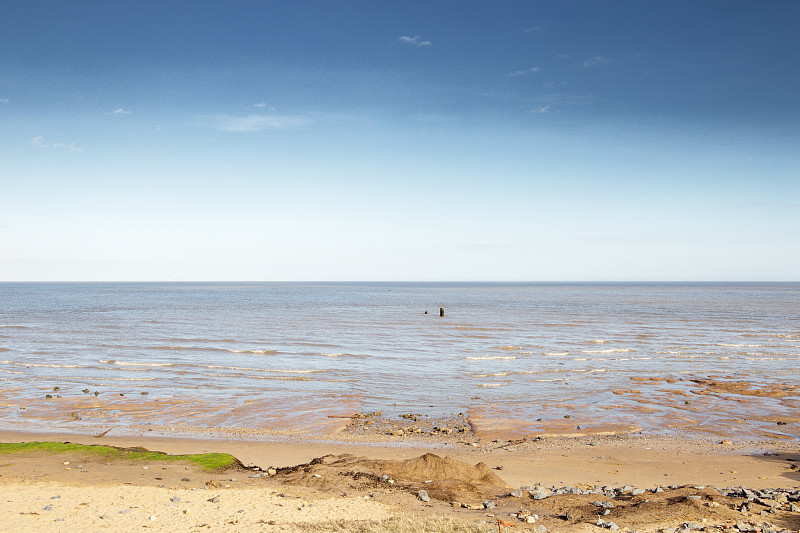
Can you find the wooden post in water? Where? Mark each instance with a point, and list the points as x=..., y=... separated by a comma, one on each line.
x=441, y=311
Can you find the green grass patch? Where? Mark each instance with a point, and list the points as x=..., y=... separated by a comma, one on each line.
x=207, y=461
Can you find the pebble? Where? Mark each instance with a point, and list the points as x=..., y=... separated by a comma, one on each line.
x=423, y=495
x=516, y=493
x=636, y=492
x=48, y=508
x=693, y=497
x=175, y=499
x=489, y=504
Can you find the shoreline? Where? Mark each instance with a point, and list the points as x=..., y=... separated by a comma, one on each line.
x=307, y=494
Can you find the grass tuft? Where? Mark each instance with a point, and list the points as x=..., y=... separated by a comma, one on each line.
x=207, y=461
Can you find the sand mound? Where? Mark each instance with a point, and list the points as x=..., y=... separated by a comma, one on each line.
x=443, y=478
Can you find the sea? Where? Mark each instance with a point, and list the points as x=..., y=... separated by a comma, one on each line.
x=518, y=359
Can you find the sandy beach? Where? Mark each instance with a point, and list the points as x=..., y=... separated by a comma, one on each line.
x=564, y=481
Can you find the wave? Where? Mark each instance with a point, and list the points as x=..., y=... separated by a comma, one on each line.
x=741, y=345
x=491, y=385
x=12, y=326
x=211, y=349
x=609, y=350
x=4, y=350
x=129, y=363
x=274, y=370
x=491, y=357
x=507, y=348
x=556, y=353
x=597, y=341
x=177, y=339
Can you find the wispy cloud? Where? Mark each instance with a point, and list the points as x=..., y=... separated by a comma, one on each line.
x=41, y=142
x=541, y=110
x=562, y=56
x=4, y=100
x=597, y=60
x=260, y=104
x=415, y=40
x=533, y=29
x=256, y=122
x=525, y=72
x=118, y=111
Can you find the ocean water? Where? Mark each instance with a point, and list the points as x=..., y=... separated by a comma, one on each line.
x=515, y=358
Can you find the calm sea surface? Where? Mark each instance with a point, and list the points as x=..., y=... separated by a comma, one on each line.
x=252, y=354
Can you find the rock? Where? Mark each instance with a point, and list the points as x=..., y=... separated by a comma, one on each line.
x=794, y=508
x=48, y=508
x=540, y=529
x=271, y=471
x=175, y=499
x=636, y=492
x=540, y=494
x=185, y=479
x=612, y=526
x=604, y=505
x=693, y=497
x=516, y=493
x=693, y=525
x=423, y=495
x=658, y=489
x=488, y=504
x=215, y=499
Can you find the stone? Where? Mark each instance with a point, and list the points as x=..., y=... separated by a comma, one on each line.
x=693, y=497
x=794, y=508
x=423, y=495
x=636, y=492
x=271, y=471
x=516, y=493
x=539, y=494
x=488, y=504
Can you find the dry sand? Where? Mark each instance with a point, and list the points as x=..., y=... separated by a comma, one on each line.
x=41, y=493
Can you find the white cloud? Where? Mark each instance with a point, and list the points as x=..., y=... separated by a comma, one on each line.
x=4, y=100
x=541, y=110
x=533, y=29
x=562, y=56
x=119, y=111
x=415, y=40
x=260, y=104
x=40, y=142
x=68, y=147
x=597, y=60
x=256, y=122
x=524, y=72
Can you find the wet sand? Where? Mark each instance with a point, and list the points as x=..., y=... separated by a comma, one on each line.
x=124, y=496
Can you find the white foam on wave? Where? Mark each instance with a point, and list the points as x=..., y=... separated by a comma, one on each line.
x=491, y=385
x=556, y=354
x=491, y=357
x=45, y=365
x=609, y=350
x=134, y=364
x=256, y=352
x=13, y=326
x=741, y=345
x=597, y=341
x=268, y=370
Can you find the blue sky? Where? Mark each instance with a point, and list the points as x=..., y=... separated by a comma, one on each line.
x=535, y=140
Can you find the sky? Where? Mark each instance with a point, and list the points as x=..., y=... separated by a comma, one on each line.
x=534, y=140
